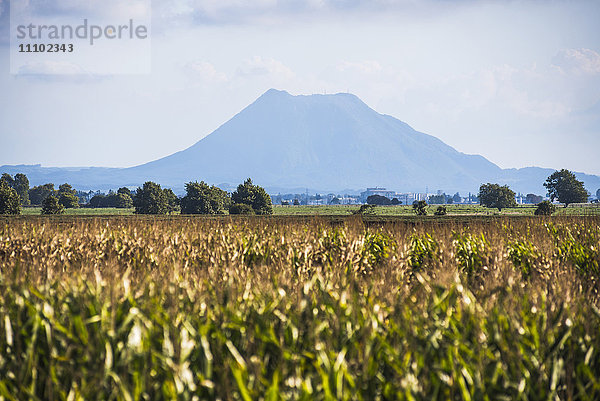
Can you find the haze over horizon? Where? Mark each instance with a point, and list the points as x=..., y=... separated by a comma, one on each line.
x=515, y=82
x=332, y=142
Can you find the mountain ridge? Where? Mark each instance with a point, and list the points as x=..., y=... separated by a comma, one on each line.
x=321, y=142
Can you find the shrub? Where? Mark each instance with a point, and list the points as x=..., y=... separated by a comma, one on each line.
x=545, y=208
x=50, y=205
x=441, y=211
x=365, y=210
x=420, y=208
x=240, y=208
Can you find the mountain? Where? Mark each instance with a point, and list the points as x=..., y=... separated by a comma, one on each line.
x=320, y=142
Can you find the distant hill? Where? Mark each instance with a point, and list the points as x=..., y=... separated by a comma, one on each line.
x=319, y=142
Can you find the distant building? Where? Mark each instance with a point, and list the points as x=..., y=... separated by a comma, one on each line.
x=405, y=198
x=377, y=191
x=410, y=197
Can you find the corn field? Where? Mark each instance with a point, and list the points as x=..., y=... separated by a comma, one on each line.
x=131, y=308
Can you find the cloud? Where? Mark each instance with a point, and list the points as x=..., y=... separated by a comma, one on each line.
x=54, y=71
x=4, y=22
x=577, y=61
x=259, y=66
x=50, y=68
x=526, y=91
x=363, y=67
x=206, y=72
x=278, y=11
x=117, y=9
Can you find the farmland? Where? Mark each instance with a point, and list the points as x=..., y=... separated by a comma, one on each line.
x=308, y=307
x=457, y=210
x=345, y=210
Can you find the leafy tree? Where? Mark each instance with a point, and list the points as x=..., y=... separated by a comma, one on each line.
x=378, y=200
x=335, y=201
x=441, y=211
x=564, y=186
x=172, y=200
x=50, y=205
x=66, y=189
x=253, y=195
x=39, y=193
x=201, y=198
x=456, y=198
x=545, y=208
x=20, y=184
x=437, y=199
x=241, y=208
x=7, y=179
x=122, y=200
x=10, y=202
x=395, y=202
x=533, y=199
x=116, y=199
x=296, y=202
x=420, y=208
x=67, y=196
x=496, y=196
x=84, y=197
x=151, y=199
x=97, y=201
x=125, y=191
x=68, y=200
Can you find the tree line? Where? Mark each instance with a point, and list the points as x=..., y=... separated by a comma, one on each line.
x=150, y=198
x=561, y=185
x=248, y=198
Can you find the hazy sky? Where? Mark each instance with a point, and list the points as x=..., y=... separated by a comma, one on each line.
x=515, y=81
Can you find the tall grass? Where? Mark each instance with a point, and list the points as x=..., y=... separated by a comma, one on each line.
x=245, y=309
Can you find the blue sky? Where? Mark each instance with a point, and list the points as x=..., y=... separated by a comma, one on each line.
x=515, y=81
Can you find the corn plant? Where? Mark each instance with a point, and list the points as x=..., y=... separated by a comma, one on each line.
x=182, y=308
